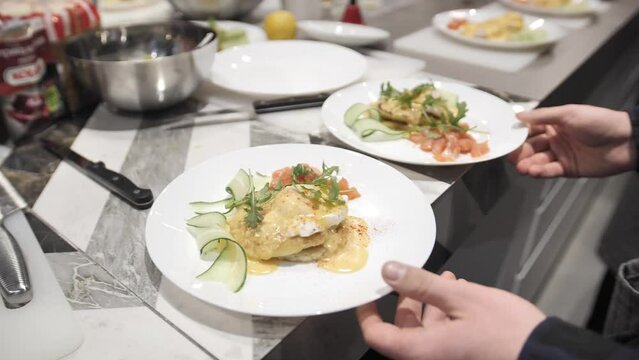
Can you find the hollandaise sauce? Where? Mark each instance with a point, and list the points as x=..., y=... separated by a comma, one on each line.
x=353, y=255
x=262, y=267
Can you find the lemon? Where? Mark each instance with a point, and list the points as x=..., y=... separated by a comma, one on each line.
x=280, y=25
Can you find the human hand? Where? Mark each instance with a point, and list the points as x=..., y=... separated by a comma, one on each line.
x=575, y=140
x=462, y=320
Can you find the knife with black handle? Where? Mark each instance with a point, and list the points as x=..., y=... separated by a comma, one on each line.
x=115, y=182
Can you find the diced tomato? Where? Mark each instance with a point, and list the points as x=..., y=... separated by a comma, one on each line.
x=453, y=147
x=417, y=137
x=343, y=184
x=309, y=176
x=282, y=176
x=466, y=145
x=456, y=23
x=439, y=145
x=443, y=157
x=479, y=149
x=427, y=144
x=351, y=193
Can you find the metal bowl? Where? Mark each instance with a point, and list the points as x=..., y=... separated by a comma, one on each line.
x=144, y=67
x=221, y=9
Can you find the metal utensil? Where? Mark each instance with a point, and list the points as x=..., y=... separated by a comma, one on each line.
x=225, y=116
x=220, y=9
x=115, y=182
x=144, y=67
x=15, y=286
x=507, y=97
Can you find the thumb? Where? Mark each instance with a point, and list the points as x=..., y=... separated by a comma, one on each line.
x=424, y=286
x=544, y=116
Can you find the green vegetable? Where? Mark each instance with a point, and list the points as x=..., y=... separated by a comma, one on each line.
x=230, y=267
x=253, y=210
x=359, y=110
x=227, y=38
x=387, y=90
x=373, y=130
x=203, y=207
x=529, y=36
x=211, y=219
x=240, y=185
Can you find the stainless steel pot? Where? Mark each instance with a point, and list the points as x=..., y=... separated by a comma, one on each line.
x=144, y=67
x=221, y=9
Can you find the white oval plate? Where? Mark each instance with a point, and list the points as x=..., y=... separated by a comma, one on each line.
x=485, y=112
x=253, y=32
x=401, y=227
x=591, y=7
x=287, y=68
x=342, y=33
x=554, y=32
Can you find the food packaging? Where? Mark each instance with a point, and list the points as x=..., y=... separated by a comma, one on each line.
x=35, y=81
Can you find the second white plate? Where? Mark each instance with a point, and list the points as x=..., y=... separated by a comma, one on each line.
x=287, y=68
x=493, y=116
x=574, y=7
x=342, y=33
x=554, y=32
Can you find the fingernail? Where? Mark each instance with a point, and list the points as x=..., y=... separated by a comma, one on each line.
x=393, y=271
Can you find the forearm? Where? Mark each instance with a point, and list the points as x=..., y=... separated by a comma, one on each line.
x=557, y=340
x=634, y=121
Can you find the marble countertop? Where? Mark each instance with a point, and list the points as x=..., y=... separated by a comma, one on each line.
x=95, y=242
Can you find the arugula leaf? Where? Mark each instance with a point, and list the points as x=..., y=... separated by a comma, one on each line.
x=299, y=171
x=253, y=211
x=264, y=195
x=387, y=90
x=405, y=99
x=333, y=192
x=462, y=110
x=431, y=101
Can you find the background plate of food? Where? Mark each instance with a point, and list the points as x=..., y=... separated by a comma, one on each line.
x=557, y=7
x=417, y=121
x=319, y=240
x=497, y=28
x=234, y=33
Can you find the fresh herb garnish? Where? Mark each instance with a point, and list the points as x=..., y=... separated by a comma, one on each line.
x=323, y=188
x=333, y=192
x=253, y=210
x=406, y=97
x=388, y=90
x=462, y=109
x=299, y=172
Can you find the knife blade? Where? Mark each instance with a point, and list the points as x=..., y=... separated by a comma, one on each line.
x=289, y=103
x=15, y=285
x=225, y=116
x=116, y=183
